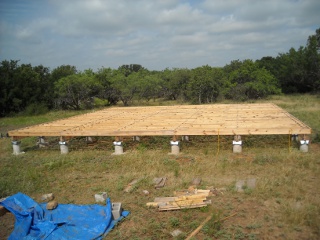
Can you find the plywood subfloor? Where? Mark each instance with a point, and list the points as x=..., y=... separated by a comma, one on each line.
x=215, y=119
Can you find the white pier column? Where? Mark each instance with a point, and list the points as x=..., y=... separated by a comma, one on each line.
x=237, y=144
x=118, y=148
x=63, y=146
x=175, y=148
x=16, y=147
x=304, y=145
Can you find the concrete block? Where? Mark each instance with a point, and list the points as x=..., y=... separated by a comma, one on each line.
x=251, y=183
x=239, y=185
x=64, y=147
x=116, y=210
x=16, y=148
x=304, y=145
x=237, y=146
x=101, y=197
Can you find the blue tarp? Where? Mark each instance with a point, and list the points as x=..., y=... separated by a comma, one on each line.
x=67, y=221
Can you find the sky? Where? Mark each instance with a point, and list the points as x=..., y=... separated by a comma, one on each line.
x=157, y=34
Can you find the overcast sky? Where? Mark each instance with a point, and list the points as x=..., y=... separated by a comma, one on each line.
x=157, y=34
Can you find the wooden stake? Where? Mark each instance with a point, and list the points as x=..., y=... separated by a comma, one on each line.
x=204, y=222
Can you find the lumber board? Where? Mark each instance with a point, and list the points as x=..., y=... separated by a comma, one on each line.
x=168, y=208
x=213, y=119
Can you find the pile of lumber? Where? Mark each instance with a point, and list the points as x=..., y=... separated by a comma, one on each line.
x=182, y=199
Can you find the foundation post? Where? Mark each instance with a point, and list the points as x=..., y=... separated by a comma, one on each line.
x=42, y=142
x=118, y=148
x=237, y=144
x=304, y=145
x=16, y=147
x=175, y=148
x=63, y=146
x=136, y=138
x=295, y=137
x=185, y=138
x=90, y=140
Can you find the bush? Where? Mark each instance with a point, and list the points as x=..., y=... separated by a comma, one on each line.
x=36, y=109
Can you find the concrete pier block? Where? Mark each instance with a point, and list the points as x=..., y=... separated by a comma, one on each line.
x=64, y=147
x=116, y=210
x=42, y=142
x=294, y=137
x=118, y=148
x=16, y=148
x=237, y=146
x=304, y=145
x=175, y=148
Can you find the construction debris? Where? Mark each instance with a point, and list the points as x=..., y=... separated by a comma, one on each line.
x=47, y=197
x=101, y=197
x=145, y=192
x=176, y=233
x=159, y=182
x=129, y=187
x=196, y=181
x=52, y=204
x=182, y=199
x=249, y=183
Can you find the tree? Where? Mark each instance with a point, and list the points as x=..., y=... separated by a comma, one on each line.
x=77, y=91
x=150, y=86
x=175, y=83
x=105, y=77
x=298, y=71
x=312, y=52
x=46, y=86
x=125, y=85
x=248, y=81
x=206, y=84
x=7, y=75
x=21, y=86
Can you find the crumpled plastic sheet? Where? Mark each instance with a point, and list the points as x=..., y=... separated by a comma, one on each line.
x=67, y=221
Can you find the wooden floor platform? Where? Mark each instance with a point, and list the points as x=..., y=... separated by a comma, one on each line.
x=214, y=119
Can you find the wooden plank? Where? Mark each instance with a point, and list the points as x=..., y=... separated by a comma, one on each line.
x=159, y=182
x=164, y=199
x=169, y=208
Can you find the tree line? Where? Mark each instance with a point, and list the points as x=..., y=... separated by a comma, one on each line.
x=36, y=89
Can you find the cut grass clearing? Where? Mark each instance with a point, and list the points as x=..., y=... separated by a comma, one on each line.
x=284, y=205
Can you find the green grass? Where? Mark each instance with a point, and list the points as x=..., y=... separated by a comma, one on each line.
x=284, y=204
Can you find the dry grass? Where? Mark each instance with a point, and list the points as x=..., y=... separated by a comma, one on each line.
x=284, y=205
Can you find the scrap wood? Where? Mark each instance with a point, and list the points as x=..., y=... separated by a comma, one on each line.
x=197, y=199
x=196, y=181
x=204, y=222
x=159, y=182
x=170, y=208
x=191, y=192
x=130, y=185
x=164, y=199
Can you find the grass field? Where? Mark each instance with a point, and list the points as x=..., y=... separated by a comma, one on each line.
x=285, y=204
